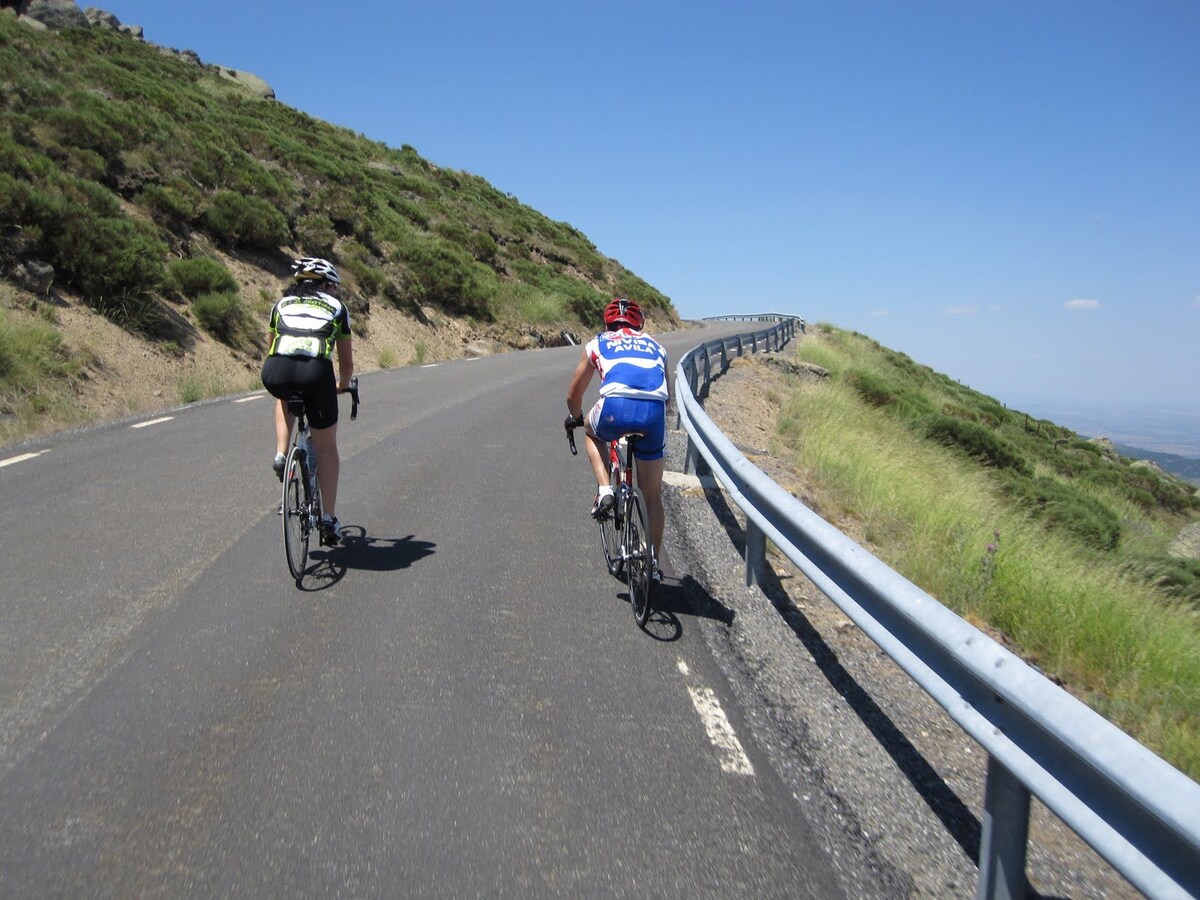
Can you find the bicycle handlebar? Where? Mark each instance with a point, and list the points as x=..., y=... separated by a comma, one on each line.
x=570, y=425
x=353, y=392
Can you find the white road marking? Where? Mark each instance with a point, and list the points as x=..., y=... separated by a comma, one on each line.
x=733, y=758
x=21, y=458
x=430, y=365
x=251, y=397
x=720, y=732
x=152, y=422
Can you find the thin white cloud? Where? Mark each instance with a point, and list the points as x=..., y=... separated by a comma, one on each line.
x=883, y=313
x=1196, y=302
x=962, y=311
x=1084, y=305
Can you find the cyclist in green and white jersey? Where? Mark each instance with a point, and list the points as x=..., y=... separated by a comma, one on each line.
x=307, y=325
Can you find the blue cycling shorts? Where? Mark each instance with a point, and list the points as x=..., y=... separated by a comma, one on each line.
x=612, y=417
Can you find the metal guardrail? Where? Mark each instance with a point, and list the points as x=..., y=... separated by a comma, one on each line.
x=756, y=317
x=1137, y=811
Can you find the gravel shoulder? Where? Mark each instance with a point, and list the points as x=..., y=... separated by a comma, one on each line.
x=886, y=777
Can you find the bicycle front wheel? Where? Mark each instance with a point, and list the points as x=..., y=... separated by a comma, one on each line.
x=295, y=509
x=637, y=558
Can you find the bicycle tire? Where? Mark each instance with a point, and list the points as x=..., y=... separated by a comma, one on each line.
x=610, y=543
x=637, y=561
x=610, y=532
x=296, y=523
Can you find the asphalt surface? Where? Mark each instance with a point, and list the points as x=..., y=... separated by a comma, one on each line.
x=458, y=702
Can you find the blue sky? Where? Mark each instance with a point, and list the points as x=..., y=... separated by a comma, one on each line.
x=1007, y=191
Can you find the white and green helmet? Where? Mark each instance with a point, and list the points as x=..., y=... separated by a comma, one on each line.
x=312, y=268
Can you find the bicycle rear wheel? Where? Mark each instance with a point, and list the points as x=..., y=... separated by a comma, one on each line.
x=610, y=543
x=637, y=562
x=296, y=525
x=610, y=533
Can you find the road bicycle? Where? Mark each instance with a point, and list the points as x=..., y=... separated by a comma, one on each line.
x=624, y=537
x=301, y=505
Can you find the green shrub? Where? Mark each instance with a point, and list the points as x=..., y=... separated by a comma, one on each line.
x=83, y=130
x=238, y=221
x=174, y=206
x=976, y=441
x=443, y=275
x=30, y=354
x=588, y=307
x=224, y=317
x=116, y=263
x=315, y=235
x=884, y=393
x=1177, y=576
x=872, y=389
x=199, y=275
x=369, y=277
x=1065, y=507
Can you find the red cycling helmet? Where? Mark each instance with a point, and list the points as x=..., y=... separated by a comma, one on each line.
x=624, y=311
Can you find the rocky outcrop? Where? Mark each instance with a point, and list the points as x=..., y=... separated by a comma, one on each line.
x=1107, y=449
x=56, y=14
x=98, y=18
x=1154, y=468
x=34, y=276
x=1187, y=543
x=249, y=81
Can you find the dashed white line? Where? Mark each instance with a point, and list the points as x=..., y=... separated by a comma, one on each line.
x=21, y=458
x=251, y=397
x=720, y=733
x=152, y=422
x=430, y=365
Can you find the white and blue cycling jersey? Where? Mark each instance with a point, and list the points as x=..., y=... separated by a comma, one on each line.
x=631, y=364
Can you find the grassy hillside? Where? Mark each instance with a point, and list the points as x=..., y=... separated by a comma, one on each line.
x=1056, y=542
x=137, y=173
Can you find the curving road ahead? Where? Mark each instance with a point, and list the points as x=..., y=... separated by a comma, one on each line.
x=456, y=703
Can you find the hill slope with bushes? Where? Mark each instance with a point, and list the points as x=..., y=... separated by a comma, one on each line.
x=1066, y=549
x=155, y=192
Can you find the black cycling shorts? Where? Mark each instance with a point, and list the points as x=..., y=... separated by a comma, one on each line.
x=313, y=379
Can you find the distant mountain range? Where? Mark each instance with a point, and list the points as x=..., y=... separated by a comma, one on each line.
x=1164, y=434
x=1185, y=467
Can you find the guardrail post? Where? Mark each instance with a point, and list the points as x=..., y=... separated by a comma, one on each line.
x=1005, y=836
x=756, y=555
x=678, y=405
x=707, y=366
x=691, y=458
x=724, y=356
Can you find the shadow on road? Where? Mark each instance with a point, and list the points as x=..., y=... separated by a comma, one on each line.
x=680, y=596
x=360, y=550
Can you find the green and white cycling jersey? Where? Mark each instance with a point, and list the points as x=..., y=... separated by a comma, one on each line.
x=308, y=325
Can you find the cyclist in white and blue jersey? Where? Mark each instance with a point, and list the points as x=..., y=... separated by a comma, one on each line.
x=633, y=397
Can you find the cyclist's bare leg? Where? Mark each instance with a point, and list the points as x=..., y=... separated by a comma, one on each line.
x=650, y=479
x=328, y=466
x=283, y=427
x=597, y=451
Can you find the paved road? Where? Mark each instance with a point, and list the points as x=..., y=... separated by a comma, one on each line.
x=456, y=703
